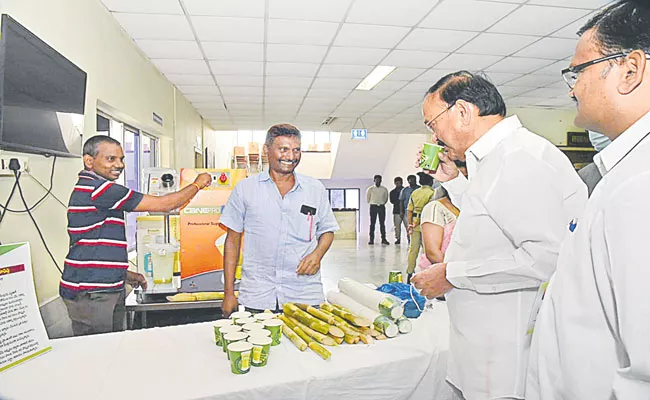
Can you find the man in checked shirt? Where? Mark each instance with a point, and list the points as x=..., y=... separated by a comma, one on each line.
x=95, y=269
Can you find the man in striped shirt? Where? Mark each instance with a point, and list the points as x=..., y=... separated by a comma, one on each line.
x=95, y=269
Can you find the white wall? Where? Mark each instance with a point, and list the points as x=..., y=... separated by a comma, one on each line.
x=551, y=124
x=121, y=81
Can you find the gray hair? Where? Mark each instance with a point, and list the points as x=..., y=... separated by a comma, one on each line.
x=281, y=130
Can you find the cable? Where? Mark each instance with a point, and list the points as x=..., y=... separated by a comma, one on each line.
x=49, y=191
x=4, y=212
x=29, y=212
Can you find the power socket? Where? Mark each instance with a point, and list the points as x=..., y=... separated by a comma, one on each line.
x=4, y=165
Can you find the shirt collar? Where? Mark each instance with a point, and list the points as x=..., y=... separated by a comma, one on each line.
x=489, y=141
x=622, y=145
x=264, y=176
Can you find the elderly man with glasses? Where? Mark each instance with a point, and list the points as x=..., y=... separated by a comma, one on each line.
x=591, y=339
x=516, y=205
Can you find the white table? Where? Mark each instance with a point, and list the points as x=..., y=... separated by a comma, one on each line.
x=182, y=362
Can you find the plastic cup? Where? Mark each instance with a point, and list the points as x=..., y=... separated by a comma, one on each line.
x=265, y=316
x=239, y=354
x=252, y=326
x=218, y=324
x=261, y=349
x=240, y=314
x=234, y=337
x=275, y=327
x=430, y=156
x=226, y=330
x=259, y=332
x=244, y=321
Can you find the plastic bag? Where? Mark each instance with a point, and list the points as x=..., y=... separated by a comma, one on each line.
x=413, y=301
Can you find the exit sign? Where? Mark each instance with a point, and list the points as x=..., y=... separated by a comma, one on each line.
x=359, y=134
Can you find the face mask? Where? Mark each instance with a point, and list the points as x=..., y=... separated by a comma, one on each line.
x=598, y=140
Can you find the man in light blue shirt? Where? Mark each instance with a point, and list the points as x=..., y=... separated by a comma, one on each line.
x=287, y=226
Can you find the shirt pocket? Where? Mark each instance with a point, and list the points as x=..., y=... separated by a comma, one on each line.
x=303, y=227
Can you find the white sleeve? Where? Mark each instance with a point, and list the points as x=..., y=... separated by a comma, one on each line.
x=528, y=205
x=626, y=222
x=456, y=189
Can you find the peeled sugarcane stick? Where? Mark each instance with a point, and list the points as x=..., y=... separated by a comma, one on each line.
x=381, y=322
x=404, y=324
x=367, y=339
x=381, y=337
x=346, y=327
x=349, y=339
x=293, y=336
x=370, y=332
x=384, y=303
x=306, y=319
x=346, y=315
x=320, y=350
x=338, y=340
x=333, y=329
x=305, y=337
x=319, y=337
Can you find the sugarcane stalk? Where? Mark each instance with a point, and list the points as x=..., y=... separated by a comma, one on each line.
x=349, y=339
x=306, y=319
x=320, y=315
x=342, y=324
x=338, y=340
x=293, y=336
x=320, y=350
x=296, y=329
x=319, y=337
x=367, y=339
x=369, y=332
x=346, y=315
x=381, y=337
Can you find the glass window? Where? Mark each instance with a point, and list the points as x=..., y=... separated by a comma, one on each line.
x=352, y=198
x=337, y=198
x=307, y=140
x=244, y=137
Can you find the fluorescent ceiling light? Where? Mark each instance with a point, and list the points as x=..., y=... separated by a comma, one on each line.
x=377, y=75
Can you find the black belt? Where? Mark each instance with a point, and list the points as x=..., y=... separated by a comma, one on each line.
x=415, y=215
x=377, y=205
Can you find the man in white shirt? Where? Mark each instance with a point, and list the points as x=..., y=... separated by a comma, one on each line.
x=592, y=336
x=377, y=197
x=516, y=204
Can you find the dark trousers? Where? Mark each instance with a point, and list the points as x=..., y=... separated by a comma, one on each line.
x=375, y=211
x=97, y=312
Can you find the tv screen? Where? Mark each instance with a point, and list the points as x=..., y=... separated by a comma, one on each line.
x=42, y=95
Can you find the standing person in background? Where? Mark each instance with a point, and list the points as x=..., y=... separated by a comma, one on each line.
x=405, y=197
x=591, y=339
x=516, y=205
x=398, y=218
x=377, y=197
x=589, y=173
x=419, y=198
x=437, y=224
x=287, y=225
x=96, y=267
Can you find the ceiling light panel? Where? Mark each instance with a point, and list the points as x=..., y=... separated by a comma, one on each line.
x=227, y=29
x=155, y=26
x=300, y=32
x=373, y=36
x=466, y=15
x=225, y=8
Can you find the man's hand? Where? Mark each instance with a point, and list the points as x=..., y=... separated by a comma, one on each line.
x=447, y=169
x=410, y=229
x=136, y=280
x=432, y=282
x=203, y=180
x=229, y=305
x=309, y=265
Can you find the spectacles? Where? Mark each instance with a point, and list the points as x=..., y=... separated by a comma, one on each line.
x=570, y=74
x=429, y=124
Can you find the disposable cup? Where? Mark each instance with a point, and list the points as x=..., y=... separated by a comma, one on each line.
x=240, y=357
x=261, y=317
x=233, y=337
x=261, y=349
x=240, y=314
x=430, y=157
x=217, y=326
x=252, y=326
x=244, y=321
x=226, y=330
x=275, y=327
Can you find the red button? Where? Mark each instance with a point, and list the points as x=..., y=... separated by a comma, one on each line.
x=223, y=178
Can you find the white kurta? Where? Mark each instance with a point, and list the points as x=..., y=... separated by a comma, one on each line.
x=592, y=337
x=521, y=195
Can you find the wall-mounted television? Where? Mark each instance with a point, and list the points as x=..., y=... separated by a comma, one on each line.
x=42, y=95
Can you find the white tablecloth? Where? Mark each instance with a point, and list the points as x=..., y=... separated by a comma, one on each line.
x=182, y=362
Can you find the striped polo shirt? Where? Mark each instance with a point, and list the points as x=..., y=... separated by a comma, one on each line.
x=97, y=259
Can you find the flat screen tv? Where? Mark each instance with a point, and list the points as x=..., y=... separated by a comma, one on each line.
x=42, y=95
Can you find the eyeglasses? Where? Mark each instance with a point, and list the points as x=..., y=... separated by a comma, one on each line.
x=570, y=74
x=429, y=124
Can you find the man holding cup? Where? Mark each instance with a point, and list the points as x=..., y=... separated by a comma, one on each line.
x=517, y=203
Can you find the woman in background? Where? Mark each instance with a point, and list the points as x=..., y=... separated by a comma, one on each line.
x=437, y=224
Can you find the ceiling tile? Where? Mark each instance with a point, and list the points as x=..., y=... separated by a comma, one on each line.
x=497, y=44
x=512, y=91
x=227, y=29
x=185, y=49
x=329, y=93
x=155, y=26
x=417, y=87
x=554, y=69
x=537, y=20
x=570, y=31
x=335, y=83
x=209, y=107
x=285, y=91
x=147, y=7
x=523, y=101
x=470, y=62
x=519, y=65
x=233, y=51
x=236, y=67
x=433, y=75
x=295, y=53
x=558, y=84
x=239, y=80
x=198, y=89
x=551, y=48
x=291, y=69
x=225, y=8
x=588, y=4
x=182, y=79
x=388, y=86
x=558, y=102
x=295, y=100
x=355, y=55
x=466, y=15
x=235, y=98
x=300, y=32
x=241, y=91
x=282, y=81
x=389, y=12
x=376, y=36
x=344, y=71
x=168, y=66
x=549, y=92
x=413, y=58
x=330, y=10
x=499, y=78
x=435, y=40
x=404, y=74
x=534, y=80
x=204, y=98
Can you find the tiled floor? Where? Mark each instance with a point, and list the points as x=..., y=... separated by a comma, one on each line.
x=362, y=262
